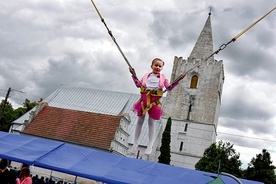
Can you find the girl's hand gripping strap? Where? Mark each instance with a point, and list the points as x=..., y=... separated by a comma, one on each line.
x=134, y=77
x=175, y=83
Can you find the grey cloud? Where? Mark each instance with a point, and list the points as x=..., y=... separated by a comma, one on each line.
x=246, y=109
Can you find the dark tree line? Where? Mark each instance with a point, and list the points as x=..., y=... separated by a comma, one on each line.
x=260, y=167
x=9, y=114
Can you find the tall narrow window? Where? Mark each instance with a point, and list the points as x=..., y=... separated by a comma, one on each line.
x=186, y=127
x=181, y=146
x=194, y=81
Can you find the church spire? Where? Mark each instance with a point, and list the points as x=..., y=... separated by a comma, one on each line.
x=204, y=45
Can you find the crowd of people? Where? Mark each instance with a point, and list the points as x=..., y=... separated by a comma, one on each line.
x=22, y=176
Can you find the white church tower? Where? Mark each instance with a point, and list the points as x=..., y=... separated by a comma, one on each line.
x=194, y=105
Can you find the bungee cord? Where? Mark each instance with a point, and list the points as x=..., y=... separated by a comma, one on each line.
x=112, y=37
x=223, y=46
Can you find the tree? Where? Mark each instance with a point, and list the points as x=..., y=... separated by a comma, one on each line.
x=261, y=168
x=222, y=154
x=29, y=105
x=6, y=117
x=10, y=114
x=165, y=149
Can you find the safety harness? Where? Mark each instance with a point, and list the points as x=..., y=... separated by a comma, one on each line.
x=149, y=93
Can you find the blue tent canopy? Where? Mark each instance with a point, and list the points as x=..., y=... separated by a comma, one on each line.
x=25, y=149
x=97, y=165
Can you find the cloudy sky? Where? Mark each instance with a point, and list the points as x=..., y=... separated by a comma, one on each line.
x=48, y=43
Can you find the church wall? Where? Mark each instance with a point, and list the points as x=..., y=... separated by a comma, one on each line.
x=206, y=104
x=194, y=111
x=188, y=142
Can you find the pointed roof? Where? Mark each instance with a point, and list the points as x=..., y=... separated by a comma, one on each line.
x=204, y=44
x=79, y=127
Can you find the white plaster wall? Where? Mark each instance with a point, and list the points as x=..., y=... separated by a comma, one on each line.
x=120, y=142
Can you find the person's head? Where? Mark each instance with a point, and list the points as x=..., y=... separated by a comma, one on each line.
x=3, y=163
x=25, y=172
x=157, y=65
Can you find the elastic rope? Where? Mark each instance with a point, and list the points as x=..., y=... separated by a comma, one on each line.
x=223, y=46
x=112, y=37
x=249, y=27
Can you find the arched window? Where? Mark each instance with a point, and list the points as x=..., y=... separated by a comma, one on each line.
x=194, y=81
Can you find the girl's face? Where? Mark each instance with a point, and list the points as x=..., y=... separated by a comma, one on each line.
x=157, y=66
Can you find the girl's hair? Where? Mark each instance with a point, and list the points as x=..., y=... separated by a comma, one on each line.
x=157, y=59
x=25, y=172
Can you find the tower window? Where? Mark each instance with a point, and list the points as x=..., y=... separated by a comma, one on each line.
x=181, y=146
x=194, y=81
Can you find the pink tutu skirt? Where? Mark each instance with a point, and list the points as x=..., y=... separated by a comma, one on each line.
x=154, y=112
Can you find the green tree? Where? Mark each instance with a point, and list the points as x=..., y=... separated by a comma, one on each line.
x=165, y=149
x=222, y=154
x=10, y=114
x=29, y=105
x=6, y=117
x=261, y=169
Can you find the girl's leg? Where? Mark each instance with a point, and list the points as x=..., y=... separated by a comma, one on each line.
x=138, y=129
x=151, y=134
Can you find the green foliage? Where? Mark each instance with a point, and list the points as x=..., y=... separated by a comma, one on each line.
x=165, y=149
x=261, y=169
x=6, y=116
x=223, y=154
x=28, y=104
x=9, y=114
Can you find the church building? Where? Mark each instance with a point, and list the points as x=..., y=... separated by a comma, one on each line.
x=194, y=105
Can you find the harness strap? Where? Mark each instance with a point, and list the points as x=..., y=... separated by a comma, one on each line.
x=157, y=92
x=145, y=110
x=149, y=104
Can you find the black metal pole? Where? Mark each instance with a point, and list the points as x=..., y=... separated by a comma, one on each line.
x=5, y=101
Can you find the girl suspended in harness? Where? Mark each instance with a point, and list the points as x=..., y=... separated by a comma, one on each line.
x=151, y=89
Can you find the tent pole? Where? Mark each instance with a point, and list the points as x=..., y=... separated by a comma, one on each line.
x=231, y=176
x=51, y=174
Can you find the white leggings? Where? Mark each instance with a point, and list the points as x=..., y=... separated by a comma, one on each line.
x=138, y=129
